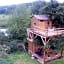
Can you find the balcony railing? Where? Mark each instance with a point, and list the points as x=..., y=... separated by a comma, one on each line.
x=47, y=32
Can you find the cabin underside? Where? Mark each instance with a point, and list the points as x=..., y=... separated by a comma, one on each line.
x=47, y=55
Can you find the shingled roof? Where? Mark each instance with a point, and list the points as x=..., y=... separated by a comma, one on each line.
x=42, y=17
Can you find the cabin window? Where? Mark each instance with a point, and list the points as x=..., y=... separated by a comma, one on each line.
x=48, y=22
x=41, y=20
x=34, y=23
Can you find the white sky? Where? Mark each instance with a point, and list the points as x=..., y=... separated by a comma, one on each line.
x=57, y=0
x=10, y=2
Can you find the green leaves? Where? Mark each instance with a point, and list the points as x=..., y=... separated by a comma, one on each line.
x=19, y=22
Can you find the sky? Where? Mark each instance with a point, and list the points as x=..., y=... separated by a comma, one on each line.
x=60, y=1
x=10, y=2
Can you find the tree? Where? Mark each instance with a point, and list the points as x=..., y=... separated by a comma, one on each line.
x=36, y=7
x=19, y=22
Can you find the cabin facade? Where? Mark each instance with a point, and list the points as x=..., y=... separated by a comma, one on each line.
x=41, y=21
x=42, y=30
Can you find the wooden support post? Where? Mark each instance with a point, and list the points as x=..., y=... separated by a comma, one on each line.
x=45, y=42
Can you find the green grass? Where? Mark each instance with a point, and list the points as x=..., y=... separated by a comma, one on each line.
x=24, y=58
x=58, y=61
x=5, y=61
x=18, y=58
x=4, y=19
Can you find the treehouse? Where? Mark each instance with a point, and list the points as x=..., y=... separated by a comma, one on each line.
x=39, y=34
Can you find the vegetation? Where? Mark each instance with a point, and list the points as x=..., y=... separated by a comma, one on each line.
x=4, y=20
x=24, y=58
x=59, y=61
x=19, y=22
x=18, y=58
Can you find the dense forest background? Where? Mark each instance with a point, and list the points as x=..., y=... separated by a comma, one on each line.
x=16, y=18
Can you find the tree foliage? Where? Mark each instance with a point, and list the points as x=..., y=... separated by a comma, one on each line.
x=20, y=20
x=37, y=6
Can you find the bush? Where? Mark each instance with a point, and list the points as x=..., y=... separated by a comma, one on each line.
x=12, y=46
x=16, y=45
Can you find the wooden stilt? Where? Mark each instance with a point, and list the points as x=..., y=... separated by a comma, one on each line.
x=45, y=41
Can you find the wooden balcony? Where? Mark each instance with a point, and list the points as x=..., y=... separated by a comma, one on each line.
x=47, y=32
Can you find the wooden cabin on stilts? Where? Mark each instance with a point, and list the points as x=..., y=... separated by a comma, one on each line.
x=42, y=30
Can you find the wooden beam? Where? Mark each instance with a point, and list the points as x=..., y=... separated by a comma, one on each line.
x=44, y=40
